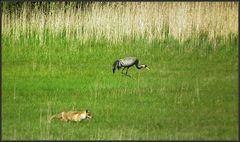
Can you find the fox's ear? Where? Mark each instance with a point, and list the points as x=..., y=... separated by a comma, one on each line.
x=86, y=111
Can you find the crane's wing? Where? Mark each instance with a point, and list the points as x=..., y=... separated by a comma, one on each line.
x=129, y=61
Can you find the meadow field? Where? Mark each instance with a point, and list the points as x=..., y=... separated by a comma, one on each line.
x=58, y=57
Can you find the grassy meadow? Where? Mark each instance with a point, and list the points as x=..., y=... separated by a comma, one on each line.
x=58, y=57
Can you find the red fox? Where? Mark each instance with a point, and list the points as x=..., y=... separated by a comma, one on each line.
x=72, y=116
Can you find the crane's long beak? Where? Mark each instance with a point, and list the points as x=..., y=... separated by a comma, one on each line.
x=147, y=68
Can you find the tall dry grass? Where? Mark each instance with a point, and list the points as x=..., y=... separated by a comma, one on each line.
x=117, y=20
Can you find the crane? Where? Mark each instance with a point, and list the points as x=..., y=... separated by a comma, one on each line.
x=127, y=63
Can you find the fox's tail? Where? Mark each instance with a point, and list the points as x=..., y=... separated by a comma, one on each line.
x=55, y=116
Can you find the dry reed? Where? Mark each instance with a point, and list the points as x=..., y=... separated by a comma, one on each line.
x=117, y=20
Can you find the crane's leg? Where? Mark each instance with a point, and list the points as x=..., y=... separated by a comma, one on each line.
x=127, y=70
x=123, y=69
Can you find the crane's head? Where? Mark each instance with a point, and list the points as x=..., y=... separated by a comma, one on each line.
x=145, y=66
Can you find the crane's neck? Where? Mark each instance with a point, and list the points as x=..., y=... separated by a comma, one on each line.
x=140, y=66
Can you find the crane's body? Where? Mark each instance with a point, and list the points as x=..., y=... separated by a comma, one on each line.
x=127, y=63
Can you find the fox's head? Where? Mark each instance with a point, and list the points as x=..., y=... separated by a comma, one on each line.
x=88, y=114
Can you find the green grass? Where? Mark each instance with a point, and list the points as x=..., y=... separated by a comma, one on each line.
x=189, y=93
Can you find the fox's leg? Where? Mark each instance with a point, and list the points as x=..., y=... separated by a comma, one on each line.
x=64, y=119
